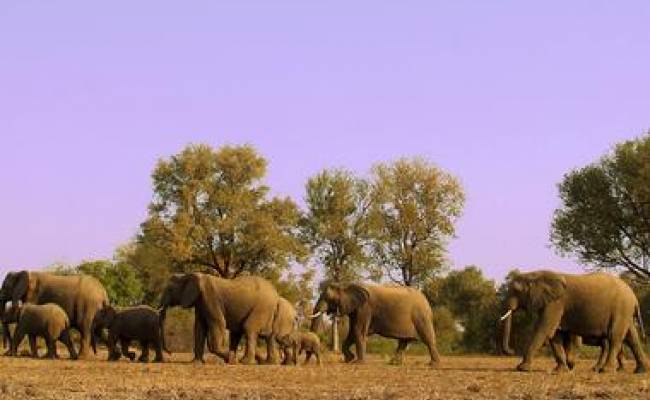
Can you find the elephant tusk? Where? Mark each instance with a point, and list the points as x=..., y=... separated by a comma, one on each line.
x=318, y=314
x=506, y=315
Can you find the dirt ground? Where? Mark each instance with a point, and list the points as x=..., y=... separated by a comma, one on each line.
x=458, y=378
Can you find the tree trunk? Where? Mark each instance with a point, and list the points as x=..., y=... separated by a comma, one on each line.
x=336, y=348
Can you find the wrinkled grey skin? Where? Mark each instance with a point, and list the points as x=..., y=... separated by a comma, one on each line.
x=396, y=312
x=244, y=306
x=298, y=342
x=126, y=324
x=80, y=296
x=284, y=322
x=48, y=321
x=596, y=305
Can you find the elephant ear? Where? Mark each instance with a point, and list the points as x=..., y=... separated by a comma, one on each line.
x=23, y=285
x=352, y=297
x=545, y=287
x=191, y=290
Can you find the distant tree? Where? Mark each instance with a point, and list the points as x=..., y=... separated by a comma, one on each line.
x=211, y=211
x=604, y=219
x=414, y=207
x=335, y=226
x=472, y=300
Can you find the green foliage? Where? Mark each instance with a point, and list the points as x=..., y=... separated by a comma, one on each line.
x=298, y=288
x=119, y=279
x=335, y=225
x=211, y=210
x=604, y=219
x=414, y=207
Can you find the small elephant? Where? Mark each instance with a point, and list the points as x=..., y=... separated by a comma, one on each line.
x=298, y=342
x=46, y=320
x=141, y=323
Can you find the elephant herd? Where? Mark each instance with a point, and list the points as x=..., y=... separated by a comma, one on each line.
x=597, y=309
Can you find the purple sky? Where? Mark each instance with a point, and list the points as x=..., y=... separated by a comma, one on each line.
x=508, y=96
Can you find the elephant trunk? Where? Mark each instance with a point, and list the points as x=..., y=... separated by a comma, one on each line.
x=507, y=327
x=6, y=333
x=162, y=315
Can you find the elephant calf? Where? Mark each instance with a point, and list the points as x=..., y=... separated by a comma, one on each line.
x=299, y=342
x=140, y=323
x=46, y=320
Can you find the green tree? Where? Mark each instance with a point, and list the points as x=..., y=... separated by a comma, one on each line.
x=604, y=218
x=414, y=207
x=211, y=211
x=335, y=226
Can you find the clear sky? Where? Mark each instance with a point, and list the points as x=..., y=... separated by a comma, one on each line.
x=507, y=95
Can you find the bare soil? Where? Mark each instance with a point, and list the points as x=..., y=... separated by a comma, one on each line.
x=457, y=378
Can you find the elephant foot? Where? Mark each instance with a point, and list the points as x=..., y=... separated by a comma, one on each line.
x=524, y=367
x=434, y=364
x=560, y=369
x=358, y=361
x=396, y=360
x=130, y=355
x=143, y=359
x=248, y=360
x=605, y=370
x=198, y=360
x=640, y=369
x=348, y=357
x=571, y=365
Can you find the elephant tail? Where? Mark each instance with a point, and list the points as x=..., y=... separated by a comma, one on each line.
x=162, y=315
x=640, y=322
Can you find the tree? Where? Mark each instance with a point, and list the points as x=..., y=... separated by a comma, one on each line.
x=335, y=226
x=211, y=211
x=414, y=208
x=604, y=218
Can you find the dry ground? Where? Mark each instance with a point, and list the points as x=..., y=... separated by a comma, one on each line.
x=458, y=378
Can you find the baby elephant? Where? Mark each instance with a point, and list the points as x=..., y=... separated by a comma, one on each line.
x=46, y=320
x=299, y=342
x=139, y=323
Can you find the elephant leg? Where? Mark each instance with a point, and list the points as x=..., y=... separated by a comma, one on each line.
x=125, y=350
x=159, y=351
x=235, y=338
x=216, y=334
x=144, y=355
x=32, y=345
x=200, y=328
x=604, y=349
x=634, y=343
x=271, y=349
x=544, y=329
x=618, y=333
x=67, y=341
x=360, y=337
x=19, y=335
x=557, y=346
x=571, y=343
x=398, y=357
x=86, y=333
x=347, y=344
x=307, y=356
x=251, y=347
x=111, y=343
x=51, y=347
x=620, y=359
x=428, y=336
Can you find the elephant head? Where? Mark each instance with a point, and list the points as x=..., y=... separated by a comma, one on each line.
x=531, y=292
x=182, y=290
x=340, y=300
x=103, y=319
x=16, y=288
x=12, y=315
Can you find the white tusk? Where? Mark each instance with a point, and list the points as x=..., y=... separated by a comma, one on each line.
x=315, y=315
x=506, y=315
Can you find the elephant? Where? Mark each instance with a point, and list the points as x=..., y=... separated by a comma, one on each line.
x=298, y=342
x=595, y=305
x=571, y=342
x=46, y=320
x=402, y=313
x=245, y=306
x=284, y=322
x=80, y=296
x=141, y=323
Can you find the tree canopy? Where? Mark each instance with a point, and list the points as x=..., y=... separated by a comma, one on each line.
x=604, y=217
x=212, y=211
x=414, y=207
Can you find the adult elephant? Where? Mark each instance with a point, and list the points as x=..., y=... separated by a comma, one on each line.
x=80, y=296
x=400, y=313
x=244, y=306
x=596, y=305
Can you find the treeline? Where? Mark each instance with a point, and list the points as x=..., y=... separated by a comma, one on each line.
x=211, y=211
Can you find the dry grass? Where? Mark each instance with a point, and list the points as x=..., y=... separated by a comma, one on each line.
x=458, y=378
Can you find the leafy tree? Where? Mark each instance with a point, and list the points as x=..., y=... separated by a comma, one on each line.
x=211, y=211
x=604, y=219
x=414, y=208
x=335, y=227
